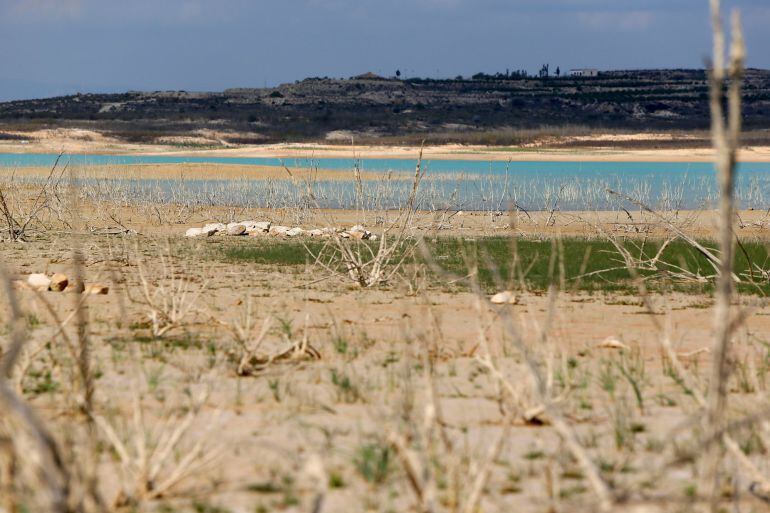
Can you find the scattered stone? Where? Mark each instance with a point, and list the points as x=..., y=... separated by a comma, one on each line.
x=612, y=342
x=294, y=232
x=213, y=228
x=257, y=228
x=76, y=286
x=59, y=282
x=194, y=232
x=504, y=298
x=39, y=281
x=536, y=417
x=279, y=230
x=236, y=229
x=96, y=289
x=360, y=233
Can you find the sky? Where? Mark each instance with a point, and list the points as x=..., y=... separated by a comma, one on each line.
x=56, y=47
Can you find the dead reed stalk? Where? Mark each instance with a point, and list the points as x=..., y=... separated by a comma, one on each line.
x=53, y=474
x=370, y=265
x=18, y=213
x=168, y=298
x=725, y=139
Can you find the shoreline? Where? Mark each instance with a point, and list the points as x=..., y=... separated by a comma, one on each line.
x=607, y=149
x=491, y=154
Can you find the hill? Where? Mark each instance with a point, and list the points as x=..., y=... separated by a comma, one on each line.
x=485, y=108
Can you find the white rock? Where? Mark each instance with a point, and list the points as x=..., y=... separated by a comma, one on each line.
x=372, y=237
x=359, y=232
x=255, y=226
x=213, y=228
x=279, y=230
x=96, y=289
x=236, y=229
x=75, y=286
x=612, y=342
x=194, y=232
x=295, y=231
x=316, y=233
x=39, y=281
x=504, y=298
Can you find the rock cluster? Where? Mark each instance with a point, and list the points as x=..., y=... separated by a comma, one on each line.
x=259, y=228
x=60, y=283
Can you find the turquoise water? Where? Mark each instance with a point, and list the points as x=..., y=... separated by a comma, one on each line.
x=20, y=160
x=462, y=184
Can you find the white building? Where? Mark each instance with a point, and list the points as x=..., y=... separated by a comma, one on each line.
x=584, y=72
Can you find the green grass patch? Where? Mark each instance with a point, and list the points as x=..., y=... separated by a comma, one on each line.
x=272, y=252
x=588, y=264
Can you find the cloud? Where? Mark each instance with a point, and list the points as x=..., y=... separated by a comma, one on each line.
x=616, y=20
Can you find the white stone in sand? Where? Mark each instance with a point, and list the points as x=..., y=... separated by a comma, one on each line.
x=612, y=342
x=279, y=230
x=235, y=229
x=505, y=297
x=295, y=231
x=39, y=281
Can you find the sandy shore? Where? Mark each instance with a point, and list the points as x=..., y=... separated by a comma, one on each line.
x=195, y=172
x=459, y=152
x=84, y=141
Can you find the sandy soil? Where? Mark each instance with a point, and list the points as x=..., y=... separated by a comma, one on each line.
x=85, y=141
x=369, y=380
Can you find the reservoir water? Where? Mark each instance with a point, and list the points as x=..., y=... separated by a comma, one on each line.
x=461, y=184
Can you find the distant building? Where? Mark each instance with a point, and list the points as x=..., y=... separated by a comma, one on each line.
x=584, y=72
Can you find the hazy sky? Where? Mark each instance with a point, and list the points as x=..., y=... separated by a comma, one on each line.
x=52, y=47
